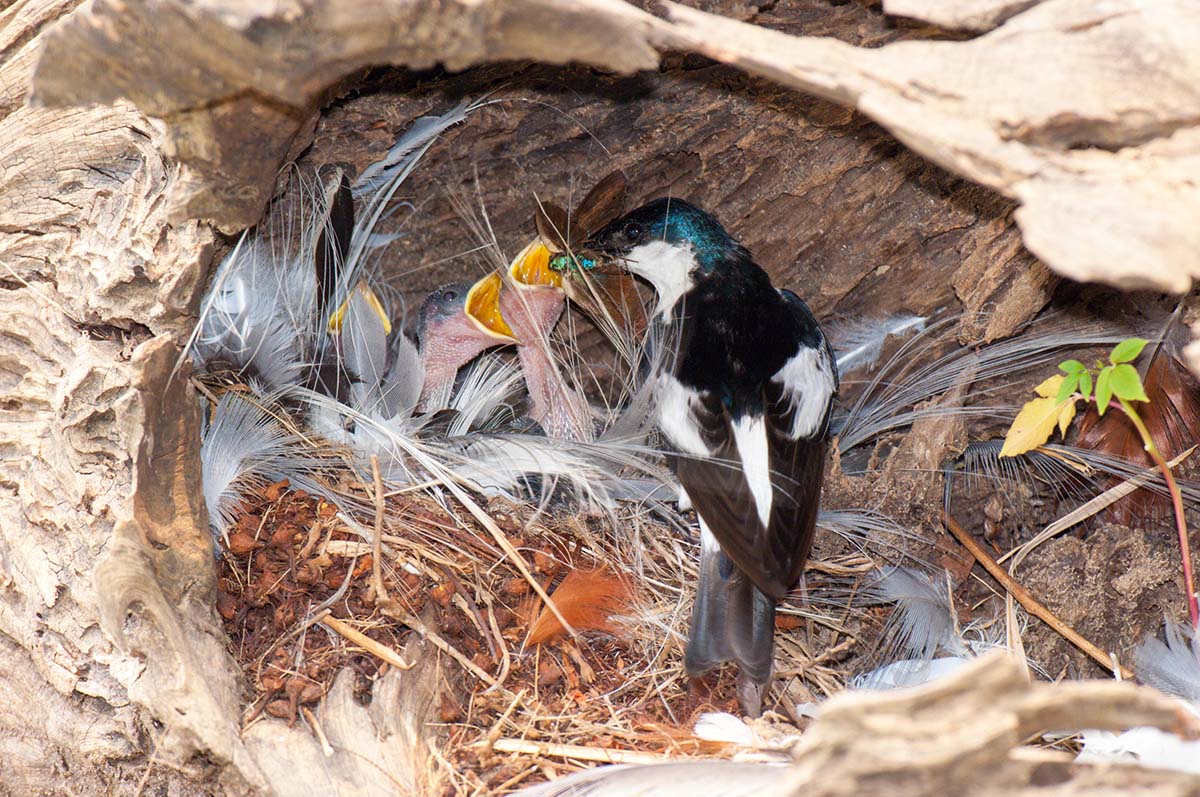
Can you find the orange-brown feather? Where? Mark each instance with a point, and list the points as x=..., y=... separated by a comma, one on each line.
x=589, y=600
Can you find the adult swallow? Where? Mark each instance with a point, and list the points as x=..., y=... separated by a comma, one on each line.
x=744, y=386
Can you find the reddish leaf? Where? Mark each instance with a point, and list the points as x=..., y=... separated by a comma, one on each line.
x=272, y=491
x=280, y=708
x=241, y=543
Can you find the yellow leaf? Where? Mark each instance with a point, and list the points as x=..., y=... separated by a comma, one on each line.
x=1065, y=416
x=1033, y=426
x=1049, y=388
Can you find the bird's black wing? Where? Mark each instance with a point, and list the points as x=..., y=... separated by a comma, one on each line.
x=798, y=469
x=790, y=424
x=772, y=556
x=719, y=491
x=333, y=245
x=799, y=400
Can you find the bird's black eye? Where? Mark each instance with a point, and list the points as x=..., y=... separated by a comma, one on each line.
x=632, y=231
x=449, y=296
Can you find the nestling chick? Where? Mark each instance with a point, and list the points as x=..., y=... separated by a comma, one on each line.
x=526, y=305
x=452, y=330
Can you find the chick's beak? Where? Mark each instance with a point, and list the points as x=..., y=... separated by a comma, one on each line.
x=338, y=316
x=483, y=308
x=532, y=267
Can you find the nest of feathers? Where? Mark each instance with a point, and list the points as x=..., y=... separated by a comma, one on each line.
x=354, y=506
x=511, y=509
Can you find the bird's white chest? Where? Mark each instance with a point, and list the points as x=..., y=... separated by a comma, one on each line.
x=668, y=267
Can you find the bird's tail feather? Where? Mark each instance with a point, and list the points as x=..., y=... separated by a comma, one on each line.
x=731, y=621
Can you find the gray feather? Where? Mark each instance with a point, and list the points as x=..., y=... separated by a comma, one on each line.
x=1065, y=468
x=504, y=464
x=1173, y=667
x=364, y=351
x=404, y=152
x=924, y=620
x=249, y=318
x=858, y=344
x=896, y=396
x=486, y=395
x=401, y=387
x=867, y=529
x=242, y=448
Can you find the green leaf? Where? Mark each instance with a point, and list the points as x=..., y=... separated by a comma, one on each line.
x=1085, y=384
x=1127, y=350
x=1067, y=387
x=1071, y=366
x=1126, y=383
x=1103, y=389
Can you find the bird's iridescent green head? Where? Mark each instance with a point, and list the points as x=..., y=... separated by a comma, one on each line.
x=672, y=222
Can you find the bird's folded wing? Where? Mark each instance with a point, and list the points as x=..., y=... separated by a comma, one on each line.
x=759, y=490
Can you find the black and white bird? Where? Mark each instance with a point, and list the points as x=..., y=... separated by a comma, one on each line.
x=743, y=387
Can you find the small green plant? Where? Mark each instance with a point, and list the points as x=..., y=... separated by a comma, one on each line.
x=1116, y=382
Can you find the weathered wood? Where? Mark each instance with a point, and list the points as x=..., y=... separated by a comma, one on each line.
x=109, y=649
x=959, y=735
x=971, y=15
x=1081, y=112
x=1017, y=110
x=88, y=264
x=235, y=84
x=823, y=198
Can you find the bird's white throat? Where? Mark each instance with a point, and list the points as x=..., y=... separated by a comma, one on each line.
x=668, y=267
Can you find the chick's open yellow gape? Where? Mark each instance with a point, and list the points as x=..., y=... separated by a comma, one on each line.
x=532, y=267
x=339, y=315
x=483, y=308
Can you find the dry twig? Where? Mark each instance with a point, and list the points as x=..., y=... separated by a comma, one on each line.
x=377, y=587
x=1026, y=599
x=576, y=752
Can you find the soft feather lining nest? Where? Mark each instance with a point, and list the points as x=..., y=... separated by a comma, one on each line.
x=553, y=580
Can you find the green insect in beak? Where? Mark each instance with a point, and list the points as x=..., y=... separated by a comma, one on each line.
x=568, y=263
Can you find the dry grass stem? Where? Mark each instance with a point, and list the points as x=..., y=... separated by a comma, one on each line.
x=311, y=718
x=366, y=643
x=377, y=540
x=576, y=752
x=447, y=648
x=502, y=540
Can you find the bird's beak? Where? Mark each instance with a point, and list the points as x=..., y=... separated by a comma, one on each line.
x=483, y=308
x=339, y=315
x=532, y=268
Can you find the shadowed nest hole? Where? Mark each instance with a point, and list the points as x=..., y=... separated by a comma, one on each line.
x=510, y=671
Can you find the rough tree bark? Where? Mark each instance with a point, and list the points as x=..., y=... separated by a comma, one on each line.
x=110, y=214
